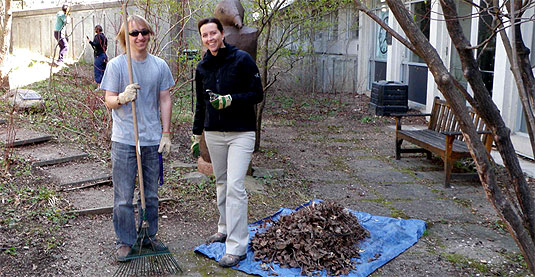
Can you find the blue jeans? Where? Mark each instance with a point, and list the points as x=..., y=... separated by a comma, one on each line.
x=62, y=42
x=124, y=171
x=99, y=66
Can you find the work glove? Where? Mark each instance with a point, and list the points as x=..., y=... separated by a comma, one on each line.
x=165, y=144
x=219, y=101
x=195, y=145
x=129, y=94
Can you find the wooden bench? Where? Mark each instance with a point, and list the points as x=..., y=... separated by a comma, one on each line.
x=442, y=136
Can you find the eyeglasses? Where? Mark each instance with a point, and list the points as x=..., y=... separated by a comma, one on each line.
x=136, y=33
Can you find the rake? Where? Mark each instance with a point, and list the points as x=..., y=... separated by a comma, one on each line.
x=147, y=256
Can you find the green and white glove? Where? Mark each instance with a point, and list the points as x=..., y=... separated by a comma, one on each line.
x=129, y=94
x=195, y=146
x=219, y=101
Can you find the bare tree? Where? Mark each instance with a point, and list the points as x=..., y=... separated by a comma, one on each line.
x=5, y=39
x=279, y=27
x=518, y=213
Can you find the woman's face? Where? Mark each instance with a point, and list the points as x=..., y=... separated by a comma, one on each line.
x=212, y=38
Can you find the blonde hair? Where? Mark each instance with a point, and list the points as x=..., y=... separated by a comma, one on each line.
x=132, y=18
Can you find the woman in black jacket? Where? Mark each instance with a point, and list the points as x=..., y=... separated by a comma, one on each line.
x=100, y=45
x=228, y=86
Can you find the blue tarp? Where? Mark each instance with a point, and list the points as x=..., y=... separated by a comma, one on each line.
x=389, y=237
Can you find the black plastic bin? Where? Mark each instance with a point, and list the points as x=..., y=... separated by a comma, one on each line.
x=389, y=97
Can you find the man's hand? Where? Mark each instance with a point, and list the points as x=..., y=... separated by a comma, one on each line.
x=220, y=101
x=129, y=94
x=195, y=146
x=165, y=145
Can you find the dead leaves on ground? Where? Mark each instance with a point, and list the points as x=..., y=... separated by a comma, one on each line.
x=317, y=237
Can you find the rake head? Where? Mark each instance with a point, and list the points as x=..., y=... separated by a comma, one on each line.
x=148, y=257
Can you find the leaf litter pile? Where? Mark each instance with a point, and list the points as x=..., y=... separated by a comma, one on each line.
x=318, y=236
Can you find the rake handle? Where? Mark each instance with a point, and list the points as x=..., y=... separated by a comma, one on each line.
x=136, y=136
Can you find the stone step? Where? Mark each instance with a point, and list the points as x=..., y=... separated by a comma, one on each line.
x=24, y=137
x=77, y=173
x=97, y=200
x=109, y=209
x=50, y=154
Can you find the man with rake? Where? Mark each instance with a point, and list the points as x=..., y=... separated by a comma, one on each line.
x=152, y=82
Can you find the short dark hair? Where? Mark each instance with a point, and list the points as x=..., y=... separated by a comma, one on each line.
x=98, y=29
x=210, y=20
x=65, y=7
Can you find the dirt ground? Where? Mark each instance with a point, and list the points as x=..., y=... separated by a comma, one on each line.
x=330, y=147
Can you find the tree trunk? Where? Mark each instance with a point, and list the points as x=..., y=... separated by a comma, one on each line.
x=264, y=71
x=488, y=111
x=5, y=40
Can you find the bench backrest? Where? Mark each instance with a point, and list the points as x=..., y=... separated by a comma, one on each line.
x=443, y=120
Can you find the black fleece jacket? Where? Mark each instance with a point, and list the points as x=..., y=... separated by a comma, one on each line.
x=233, y=72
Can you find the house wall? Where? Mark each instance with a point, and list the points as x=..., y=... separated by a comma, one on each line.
x=34, y=29
x=333, y=67
x=504, y=93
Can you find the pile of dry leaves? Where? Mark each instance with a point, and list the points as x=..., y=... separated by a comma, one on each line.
x=316, y=237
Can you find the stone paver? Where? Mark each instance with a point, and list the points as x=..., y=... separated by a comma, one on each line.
x=385, y=176
x=474, y=241
x=435, y=210
x=417, y=259
x=404, y=191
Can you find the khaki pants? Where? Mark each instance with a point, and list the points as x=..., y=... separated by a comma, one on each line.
x=231, y=153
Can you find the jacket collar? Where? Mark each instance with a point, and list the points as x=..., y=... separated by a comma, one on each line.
x=222, y=54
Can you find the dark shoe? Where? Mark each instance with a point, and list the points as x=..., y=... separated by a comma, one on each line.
x=155, y=245
x=122, y=252
x=229, y=260
x=217, y=237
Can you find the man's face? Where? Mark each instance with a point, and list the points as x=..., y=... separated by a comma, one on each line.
x=211, y=37
x=139, y=37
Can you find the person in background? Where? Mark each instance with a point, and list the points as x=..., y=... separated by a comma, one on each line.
x=152, y=82
x=228, y=87
x=100, y=45
x=62, y=17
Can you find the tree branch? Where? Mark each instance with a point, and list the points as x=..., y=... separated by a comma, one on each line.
x=361, y=7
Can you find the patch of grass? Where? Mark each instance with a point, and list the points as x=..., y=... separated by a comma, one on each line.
x=367, y=119
x=378, y=200
x=337, y=163
x=335, y=129
x=462, y=261
x=396, y=213
x=426, y=232
x=515, y=258
x=463, y=202
x=270, y=153
x=498, y=225
x=11, y=251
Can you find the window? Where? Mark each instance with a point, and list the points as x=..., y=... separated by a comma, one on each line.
x=485, y=55
x=421, y=14
x=352, y=20
x=333, y=25
x=464, y=10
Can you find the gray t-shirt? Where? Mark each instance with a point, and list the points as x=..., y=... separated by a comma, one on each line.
x=152, y=75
